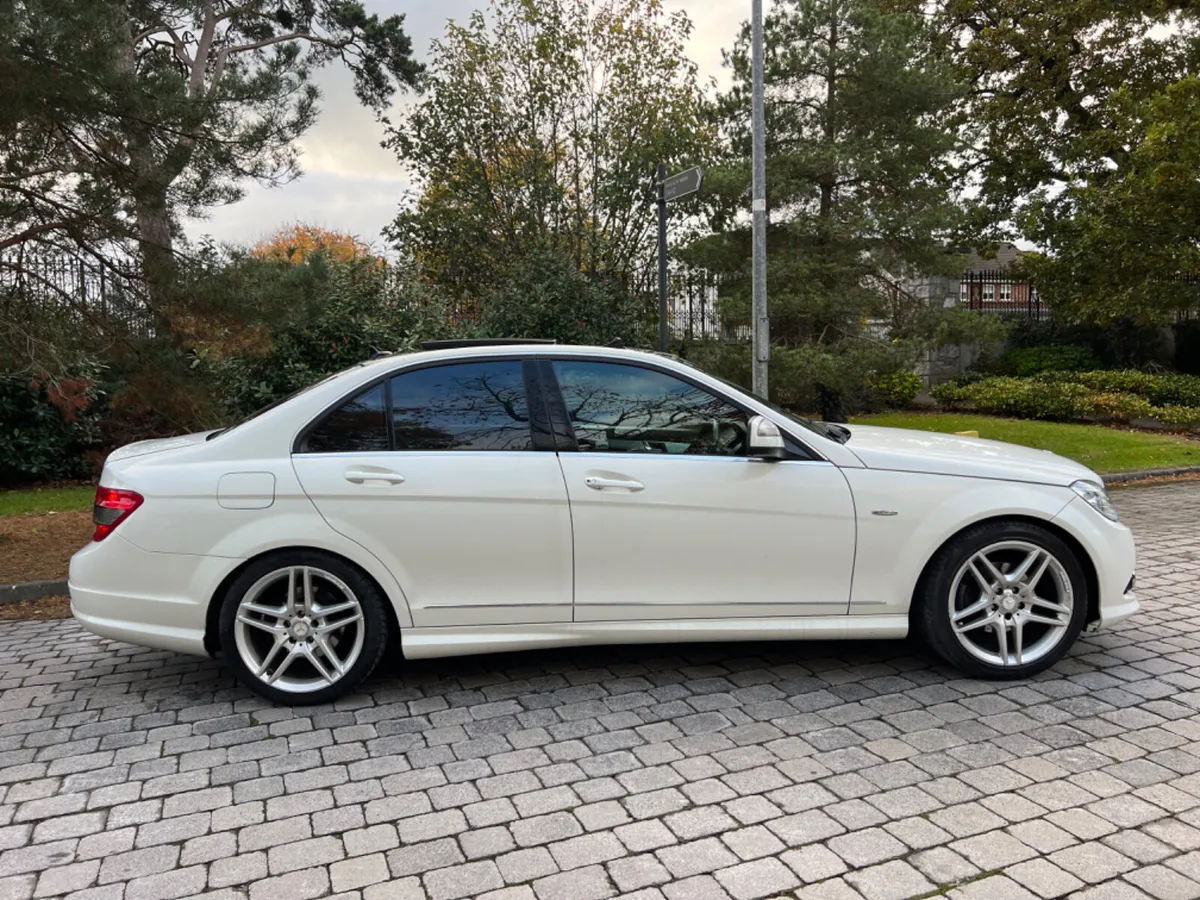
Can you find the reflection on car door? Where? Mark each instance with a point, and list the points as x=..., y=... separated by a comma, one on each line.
x=673, y=520
x=436, y=472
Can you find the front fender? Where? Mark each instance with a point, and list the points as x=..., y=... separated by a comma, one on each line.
x=905, y=517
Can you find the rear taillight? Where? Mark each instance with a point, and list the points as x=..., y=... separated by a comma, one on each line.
x=112, y=508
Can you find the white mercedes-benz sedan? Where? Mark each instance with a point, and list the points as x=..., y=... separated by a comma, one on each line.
x=488, y=496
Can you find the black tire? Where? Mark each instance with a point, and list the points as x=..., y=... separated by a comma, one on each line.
x=374, y=624
x=931, y=615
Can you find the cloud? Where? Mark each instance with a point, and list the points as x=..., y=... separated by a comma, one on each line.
x=354, y=185
x=357, y=204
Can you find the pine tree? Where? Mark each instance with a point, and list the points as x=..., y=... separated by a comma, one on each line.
x=129, y=114
x=858, y=187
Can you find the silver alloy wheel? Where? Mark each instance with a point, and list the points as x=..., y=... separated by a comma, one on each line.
x=1010, y=604
x=299, y=629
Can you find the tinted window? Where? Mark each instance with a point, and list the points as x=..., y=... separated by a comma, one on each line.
x=627, y=409
x=473, y=406
x=360, y=425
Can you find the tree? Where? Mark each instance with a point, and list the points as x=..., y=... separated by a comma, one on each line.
x=296, y=243
x=542, y=125
x=1077, y=131
x=857, y=183
x=546, y=296
x=158, y=108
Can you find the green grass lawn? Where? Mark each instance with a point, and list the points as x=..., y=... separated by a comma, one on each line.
x=43, y=500
x=1101, y=449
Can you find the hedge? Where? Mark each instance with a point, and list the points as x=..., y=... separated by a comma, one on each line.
x=1118, y=396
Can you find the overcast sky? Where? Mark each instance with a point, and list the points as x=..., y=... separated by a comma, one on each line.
x=352, y=184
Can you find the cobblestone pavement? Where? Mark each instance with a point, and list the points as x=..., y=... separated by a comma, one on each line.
x=832, y=771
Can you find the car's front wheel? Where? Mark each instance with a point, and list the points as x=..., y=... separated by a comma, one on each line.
x=1003, y=600
x=303, y=627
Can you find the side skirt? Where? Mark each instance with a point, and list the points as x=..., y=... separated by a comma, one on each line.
x=464, y=640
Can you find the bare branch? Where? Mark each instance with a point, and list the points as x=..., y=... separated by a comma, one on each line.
x=293, y=36
x=23, y=236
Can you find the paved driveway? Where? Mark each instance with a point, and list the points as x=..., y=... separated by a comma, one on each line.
x=748, y=770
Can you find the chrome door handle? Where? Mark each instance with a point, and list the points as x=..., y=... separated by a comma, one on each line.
x=600, y=484
x=361, y=476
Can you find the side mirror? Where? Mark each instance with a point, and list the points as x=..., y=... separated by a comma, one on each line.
x=766, y=441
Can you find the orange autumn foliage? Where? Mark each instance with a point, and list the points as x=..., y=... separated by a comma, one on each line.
x=294, y=244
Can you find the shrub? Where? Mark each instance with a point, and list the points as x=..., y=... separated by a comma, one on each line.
x=1122, y=343
x=952, y=393
x=1174, y=400
x=1178, y=416
x=338, y=314
x=1025, y=361
x=1159, y=389
x=47, y=426
x=1118, y=407
x=897, y=389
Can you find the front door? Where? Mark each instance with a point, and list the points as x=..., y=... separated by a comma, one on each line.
x=436, y=473
x=672, y=520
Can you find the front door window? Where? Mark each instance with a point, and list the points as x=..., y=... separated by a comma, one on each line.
x=617, y=408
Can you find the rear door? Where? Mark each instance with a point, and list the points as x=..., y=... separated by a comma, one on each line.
x=447, y=474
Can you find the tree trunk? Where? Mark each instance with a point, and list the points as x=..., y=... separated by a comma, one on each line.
x=149, y=193
x=156, y=244
x=829, y=179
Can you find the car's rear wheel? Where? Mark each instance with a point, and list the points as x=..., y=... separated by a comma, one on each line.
x=303, y=627
x=1003, y=600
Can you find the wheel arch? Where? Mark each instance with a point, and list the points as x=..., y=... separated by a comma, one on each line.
x=1090, y=575
x=212, y=616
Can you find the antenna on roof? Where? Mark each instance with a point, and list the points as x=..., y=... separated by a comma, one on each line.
x=617, y=344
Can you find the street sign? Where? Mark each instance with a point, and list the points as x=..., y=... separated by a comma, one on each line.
x=684, y=183
x=669, y=189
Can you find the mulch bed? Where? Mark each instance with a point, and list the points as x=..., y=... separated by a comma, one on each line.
x=39, y=610
x=39, y=547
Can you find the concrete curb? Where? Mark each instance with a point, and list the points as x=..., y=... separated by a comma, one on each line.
x=1126, y=477
x=32, y=590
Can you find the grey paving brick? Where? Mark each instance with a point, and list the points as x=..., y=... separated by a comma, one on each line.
x=484, y=842
x=526, y=865
x=284, y=858
x=138, y=863
x=867, y=847
x=1044, y=878
x=580, y=884
x=942, y=866
x=168, y=885
x=895, y=880
x=65, y=879
x=418, y=858
x=586, y=850
x=303, y=885
x=545, y=829
x=997, y=887
x=359, y=872
x=1092, y=862
x=697, y=857
x=467, y=880
x=632, y=873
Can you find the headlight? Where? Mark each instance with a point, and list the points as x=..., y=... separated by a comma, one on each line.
x=1097, y=498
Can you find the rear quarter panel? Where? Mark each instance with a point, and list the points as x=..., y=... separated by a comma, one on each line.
x=182, y=515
